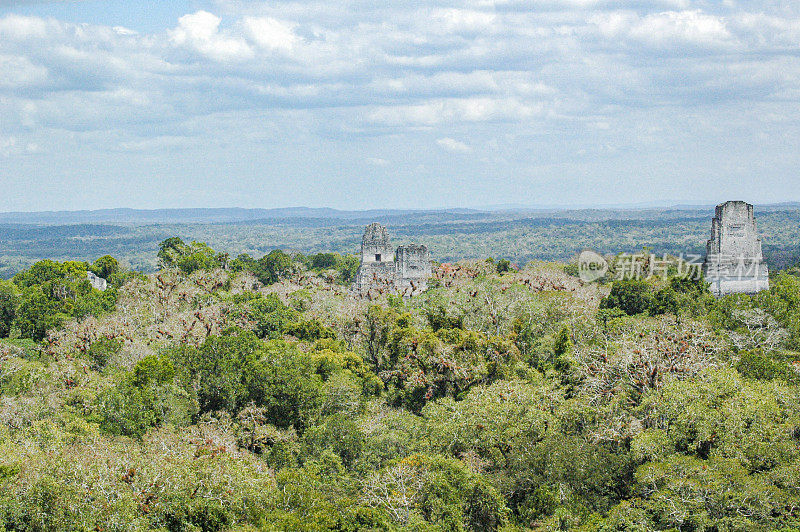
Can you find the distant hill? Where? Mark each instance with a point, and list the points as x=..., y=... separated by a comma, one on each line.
x=209, y=215
x=325, y=216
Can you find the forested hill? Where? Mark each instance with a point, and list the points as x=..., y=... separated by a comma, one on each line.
x=519, y=235
x=208, y=215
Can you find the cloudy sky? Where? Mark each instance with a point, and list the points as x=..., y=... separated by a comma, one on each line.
x=373, y=103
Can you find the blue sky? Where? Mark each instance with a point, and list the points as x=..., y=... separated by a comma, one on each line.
x=361, y=104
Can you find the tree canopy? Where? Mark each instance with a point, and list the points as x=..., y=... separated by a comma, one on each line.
x=263, y=394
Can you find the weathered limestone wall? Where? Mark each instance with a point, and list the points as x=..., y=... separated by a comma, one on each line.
x=413, y=266
x=97, y=282
x=375, y=245
x=734, y=261
x=376, y=275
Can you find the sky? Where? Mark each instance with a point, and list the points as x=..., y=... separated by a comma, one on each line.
x=358, y=104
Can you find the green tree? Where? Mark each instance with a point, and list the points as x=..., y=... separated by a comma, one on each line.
x=272, y=319
x=9, y=301
x=783, y=302
x=145, y=397
x=563, y=360
x=563, y=343
x=424, y=490
x=169, y=251
x=311, y=330
x=759, y=365
x=439, y=318
x=38, y=314
x=339, y=433
x=52, y=292
x=423, y=365
x=274, y=266
x=498, y=422
x=197, y=256
x=503, y=266
x=229, y=372
x=106, y=267
x=49, y=271
x=632, y=296
x=323, y=261
x=101, y=351
x=347, y=266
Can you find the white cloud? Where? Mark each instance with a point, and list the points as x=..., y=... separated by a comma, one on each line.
x=453, y=145
x=122, y=30
x=200, y=31
x=333, y=78
x=666, y=29
x=761, y=29
x=688, y=26
x=17, y=27
x=471, y=83
x=271, y=33
x=461, y=21
x=7, y=145
x=20, y=72
x=155, y=144
x=394, y=67
x=456, y=110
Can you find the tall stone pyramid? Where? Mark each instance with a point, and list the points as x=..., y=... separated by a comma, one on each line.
x=734, y=262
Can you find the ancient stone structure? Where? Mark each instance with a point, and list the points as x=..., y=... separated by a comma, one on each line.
x=404, y=270
x=97, y=282
x=375, y=245
x=413, y=265
x=734, y=262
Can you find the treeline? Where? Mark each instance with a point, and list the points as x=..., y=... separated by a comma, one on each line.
x=520, y=236
x=269, y=269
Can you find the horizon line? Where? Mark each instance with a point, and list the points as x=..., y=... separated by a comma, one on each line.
x=485, y=208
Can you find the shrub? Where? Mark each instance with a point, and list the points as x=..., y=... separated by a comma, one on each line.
x=503, y=266
x=101, y=351
x=758, y=365
x=632, y=296
x=9, y=300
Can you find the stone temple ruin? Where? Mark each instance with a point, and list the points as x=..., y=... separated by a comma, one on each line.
x=734, y=263
x=402, y=271
x=97, y=282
